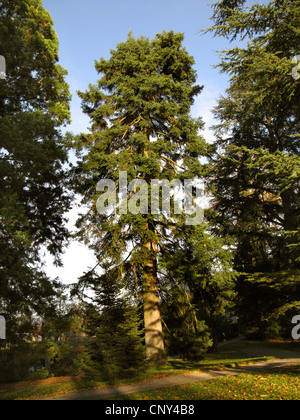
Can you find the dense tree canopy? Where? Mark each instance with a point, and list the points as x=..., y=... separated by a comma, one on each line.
x=188, y=274
x=141, y=124
x=34, y=103
x=256, y=172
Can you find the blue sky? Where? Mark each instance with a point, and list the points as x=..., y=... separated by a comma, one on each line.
x=89, y=29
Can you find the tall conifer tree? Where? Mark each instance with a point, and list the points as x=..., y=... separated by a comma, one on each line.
x=141, y=124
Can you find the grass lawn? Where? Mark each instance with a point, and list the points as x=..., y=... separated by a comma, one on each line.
x=274, y=384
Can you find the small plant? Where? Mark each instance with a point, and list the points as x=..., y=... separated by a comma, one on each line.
x=114, y=346
x=41, y=373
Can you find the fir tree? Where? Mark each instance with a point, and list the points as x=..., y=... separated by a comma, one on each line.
x=114, y=346
x=141, y=124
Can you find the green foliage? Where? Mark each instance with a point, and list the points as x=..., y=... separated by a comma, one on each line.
x=53, y=343
x=141, y=123
x=39, y=374
x=114, y=346
x=200, y=265
x=34, y=103
x=15, y=363
x=185, y=335
x=256, y=170
x=272, y=300
x=140, y=120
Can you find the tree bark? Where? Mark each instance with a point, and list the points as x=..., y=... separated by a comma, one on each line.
x=155, y=352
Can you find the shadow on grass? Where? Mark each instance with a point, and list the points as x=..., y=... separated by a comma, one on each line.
x=227, y=356
x=287, y=371
x=273, y=384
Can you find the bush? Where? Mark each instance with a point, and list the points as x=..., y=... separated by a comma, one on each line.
x=191, y=343
x=114, y=347
x=39, y=374
x=115, y=350
x=15, y=363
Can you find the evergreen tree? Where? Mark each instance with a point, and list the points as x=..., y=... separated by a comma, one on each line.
x=34, y=103
x=199, y=266
x=186, y=335
x=141, y=124
x=114, y=345
x=256, y=171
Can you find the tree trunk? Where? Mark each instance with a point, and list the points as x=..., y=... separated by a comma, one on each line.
x=152, y=321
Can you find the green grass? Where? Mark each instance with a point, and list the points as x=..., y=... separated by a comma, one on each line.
x=44, y=388
x=276, y=384
x=228, y=356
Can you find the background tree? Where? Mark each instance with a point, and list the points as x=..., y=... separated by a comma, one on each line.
x=58, y=338
x=256, y=170
x=141, y=123
x=197, y=273
x=186, y=336
x=34, y=103
x=114, y=340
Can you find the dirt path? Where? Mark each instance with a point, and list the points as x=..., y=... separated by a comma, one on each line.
x=102, y=394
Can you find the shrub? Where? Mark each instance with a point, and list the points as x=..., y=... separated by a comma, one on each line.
x=39, y=374
x=114, y=347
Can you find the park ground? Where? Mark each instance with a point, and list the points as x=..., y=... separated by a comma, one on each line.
x=239, y=370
